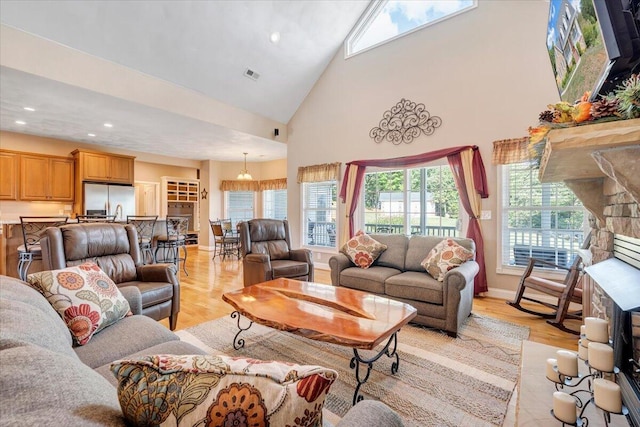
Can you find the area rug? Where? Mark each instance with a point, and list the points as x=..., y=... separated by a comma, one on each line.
x=442, y=381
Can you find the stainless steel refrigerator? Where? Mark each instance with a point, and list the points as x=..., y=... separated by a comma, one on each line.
x=104, y=199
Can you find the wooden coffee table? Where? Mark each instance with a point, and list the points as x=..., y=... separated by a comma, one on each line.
x=326, y=313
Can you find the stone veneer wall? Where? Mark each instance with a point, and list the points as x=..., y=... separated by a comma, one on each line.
x=622, y=216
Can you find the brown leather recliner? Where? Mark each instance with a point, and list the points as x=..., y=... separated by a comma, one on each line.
x=114, y=248
x=267, y=254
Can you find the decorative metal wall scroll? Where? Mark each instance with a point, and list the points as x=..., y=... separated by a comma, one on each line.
x=404, y=122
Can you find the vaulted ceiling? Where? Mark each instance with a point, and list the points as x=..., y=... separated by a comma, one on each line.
x=175, y=83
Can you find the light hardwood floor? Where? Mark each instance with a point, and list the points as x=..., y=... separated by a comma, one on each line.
x=201, y=299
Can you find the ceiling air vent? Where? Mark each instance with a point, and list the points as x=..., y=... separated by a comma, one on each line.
x=251, y=74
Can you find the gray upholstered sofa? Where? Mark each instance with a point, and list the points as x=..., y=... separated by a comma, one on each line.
x=45, y=380
x=398, y=274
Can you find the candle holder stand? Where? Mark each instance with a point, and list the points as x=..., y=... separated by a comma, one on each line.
x=573, y=382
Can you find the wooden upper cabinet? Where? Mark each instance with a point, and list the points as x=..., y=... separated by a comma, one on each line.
x=9, y=163
x=61, y=185
x=102, y=167
x=46, y=178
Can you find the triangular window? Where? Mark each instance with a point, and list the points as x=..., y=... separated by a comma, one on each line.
x=386, y=20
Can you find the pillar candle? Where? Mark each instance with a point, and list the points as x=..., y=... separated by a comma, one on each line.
x=551, y=373
x=583, y=331
x=600, y=357
x=583, y=352
x=564, y=407
x=584, y=342
x=567, y=363
x=596, y=329
x=607, y=395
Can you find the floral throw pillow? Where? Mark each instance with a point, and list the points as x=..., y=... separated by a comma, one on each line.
x=363, y=250
x=84, y=296
x=207, y=390
x=443, y=257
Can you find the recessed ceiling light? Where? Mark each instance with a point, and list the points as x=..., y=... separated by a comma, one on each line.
x=29, y=108
x=274, y=37
x=20, y=122
x=91, y=134
x=108, y=125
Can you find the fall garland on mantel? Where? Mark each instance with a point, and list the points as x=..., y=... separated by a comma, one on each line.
x=621, y=104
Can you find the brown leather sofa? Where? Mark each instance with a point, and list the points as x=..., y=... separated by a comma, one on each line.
x=114, y=247
x=266, y=253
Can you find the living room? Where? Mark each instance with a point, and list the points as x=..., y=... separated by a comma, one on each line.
x=485, y=72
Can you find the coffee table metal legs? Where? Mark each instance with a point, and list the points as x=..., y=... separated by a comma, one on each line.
x=389, y=350
x=239, y=343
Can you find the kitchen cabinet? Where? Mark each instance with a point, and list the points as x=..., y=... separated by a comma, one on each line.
x=46, y=178
x=104, y=167
x=97, y=167
x=9, y=163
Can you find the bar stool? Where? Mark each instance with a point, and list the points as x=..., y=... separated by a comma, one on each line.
x=173, y=240
x=144, y=225
x=32, y=230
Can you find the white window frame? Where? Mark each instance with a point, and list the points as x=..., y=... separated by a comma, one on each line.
x=304, y=228
x=372, y=12
x=266, y=214
x=226, y=204
x=501, y=266
x=462, y=215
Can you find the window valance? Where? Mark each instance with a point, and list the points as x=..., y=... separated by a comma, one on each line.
x=235, y=185
x=273, y=184
x=319, y=173
x=507, y=151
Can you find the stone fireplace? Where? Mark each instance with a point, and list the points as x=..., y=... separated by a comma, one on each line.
x=601, y=165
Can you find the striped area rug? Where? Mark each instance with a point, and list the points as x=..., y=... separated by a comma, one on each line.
x=442, y=381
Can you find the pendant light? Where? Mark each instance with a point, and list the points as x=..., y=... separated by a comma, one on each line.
x=244, y=175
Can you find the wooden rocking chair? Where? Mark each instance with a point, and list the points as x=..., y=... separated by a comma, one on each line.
x=568, y=291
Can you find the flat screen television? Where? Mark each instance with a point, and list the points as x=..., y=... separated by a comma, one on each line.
x=593, y=45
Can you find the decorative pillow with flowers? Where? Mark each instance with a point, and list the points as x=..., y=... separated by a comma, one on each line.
x=444, y=256
x=363, y=250
x=207, y=390
x=84, y=296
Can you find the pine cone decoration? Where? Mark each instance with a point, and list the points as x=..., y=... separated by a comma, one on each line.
x=546, y=116
x=604, y=108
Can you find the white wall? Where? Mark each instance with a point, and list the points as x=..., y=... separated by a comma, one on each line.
x=486, y=73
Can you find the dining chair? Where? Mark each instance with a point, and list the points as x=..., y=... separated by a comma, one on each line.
x=144, y=225
x=33, y=228
x=225, y=240
x=177, y=228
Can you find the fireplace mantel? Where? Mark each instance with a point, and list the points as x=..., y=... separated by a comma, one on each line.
x=619, y=280
x=567, y=152
x=589, y=159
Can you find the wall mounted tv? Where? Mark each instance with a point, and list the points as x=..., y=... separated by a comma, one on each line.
x=593, y=45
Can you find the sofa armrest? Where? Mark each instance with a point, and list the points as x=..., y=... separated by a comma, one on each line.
x=458, y=292
x=302, y=255
x=165, y=273
x=337, y=263
x=157, y=273
x=458, y=277
x=370, y=413
x=133, y=297
x=256, y=268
